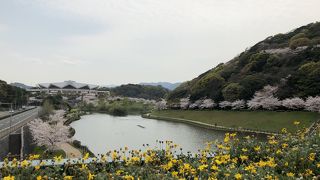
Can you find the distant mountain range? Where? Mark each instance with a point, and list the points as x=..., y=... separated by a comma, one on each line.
x=20, y=85
x=167, y=85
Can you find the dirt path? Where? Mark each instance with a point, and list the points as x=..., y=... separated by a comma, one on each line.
x=70, y=151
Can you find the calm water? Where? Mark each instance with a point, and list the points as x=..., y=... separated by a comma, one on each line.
x=102, y=132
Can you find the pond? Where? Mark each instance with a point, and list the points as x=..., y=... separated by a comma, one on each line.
x=103, y=132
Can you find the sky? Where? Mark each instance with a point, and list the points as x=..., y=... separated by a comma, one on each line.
x=131, y=41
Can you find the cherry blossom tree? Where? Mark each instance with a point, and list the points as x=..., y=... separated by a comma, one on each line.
x=265, y=99
x=207, y=104
x=196, y=104
x=293, y=103
x=225, y=104
x=161, y=105
x=313, y=104
x=184, y=103
x=238, y=104
x=49, y=135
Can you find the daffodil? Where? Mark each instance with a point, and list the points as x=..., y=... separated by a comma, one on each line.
x=238, y=176
x=290, y=174
x=8, y=177
x=202, y=167
x=257, y=148
x=67, y=177
x=57, y=158
x=86, y=156
x=91, y=176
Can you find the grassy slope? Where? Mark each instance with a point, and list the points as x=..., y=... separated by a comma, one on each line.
x=257, y=120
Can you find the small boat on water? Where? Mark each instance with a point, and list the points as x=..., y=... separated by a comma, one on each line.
x=141, y=126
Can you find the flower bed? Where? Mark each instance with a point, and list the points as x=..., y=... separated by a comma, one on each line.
x=285, y=156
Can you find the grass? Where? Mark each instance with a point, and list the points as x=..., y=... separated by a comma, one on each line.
x=256, y=120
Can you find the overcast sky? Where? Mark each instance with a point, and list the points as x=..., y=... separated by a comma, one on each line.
x=131, y=41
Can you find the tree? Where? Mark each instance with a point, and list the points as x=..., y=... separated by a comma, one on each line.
x=293, y=103
x=161, y=105
x=48, y=135
x=225, y=104
x=46, y=110
x=184, y=103
x=313, y=104
x=232, y=92
x=299, y=42
x=196, y=104
x=207, y=104
x=265, y=99
x=238, y=104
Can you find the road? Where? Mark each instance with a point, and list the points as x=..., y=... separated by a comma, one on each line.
x=5, y=123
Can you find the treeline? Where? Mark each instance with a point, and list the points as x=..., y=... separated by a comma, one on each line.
x=289, y=61
x=11, y=94
x=140, y=91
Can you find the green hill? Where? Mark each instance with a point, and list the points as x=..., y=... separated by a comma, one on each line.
x=12, y=94
x=140, y=91
x=290, y=61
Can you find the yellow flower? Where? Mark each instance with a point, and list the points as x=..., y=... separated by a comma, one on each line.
x=308, y=172
x=37, y=167
x=174, y=174
x=318, y=165
x=86, y=156
x=312, y=156
x=290, y=174
x=91, y=176
x=83, y=166
x=33, y=157
x=284, y=145
x=238, y=176
x=8, y=178
x=257, y=148
x=244, y=149
x=202, y=167
x=226, y=139
x=58, y=158
x=119, y=172
x=243, y=157
x=39, y=177
x=286, y=164
x=24, y=163
x=67, y=178
x=278, y=151
x=215, y=168
x=218, y=161
x=272, y=141
x=296, y=122
x=268, y=177
x=128, y=177
x=284, y=130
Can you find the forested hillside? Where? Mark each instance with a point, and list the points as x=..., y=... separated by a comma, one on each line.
x=290, y=61
x=140, y=91
x=12, y=94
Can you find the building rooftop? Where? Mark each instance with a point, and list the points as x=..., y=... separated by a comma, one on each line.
x=67, y=85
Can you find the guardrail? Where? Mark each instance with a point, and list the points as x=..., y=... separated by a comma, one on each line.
x=4, y=132
x=15, y=113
